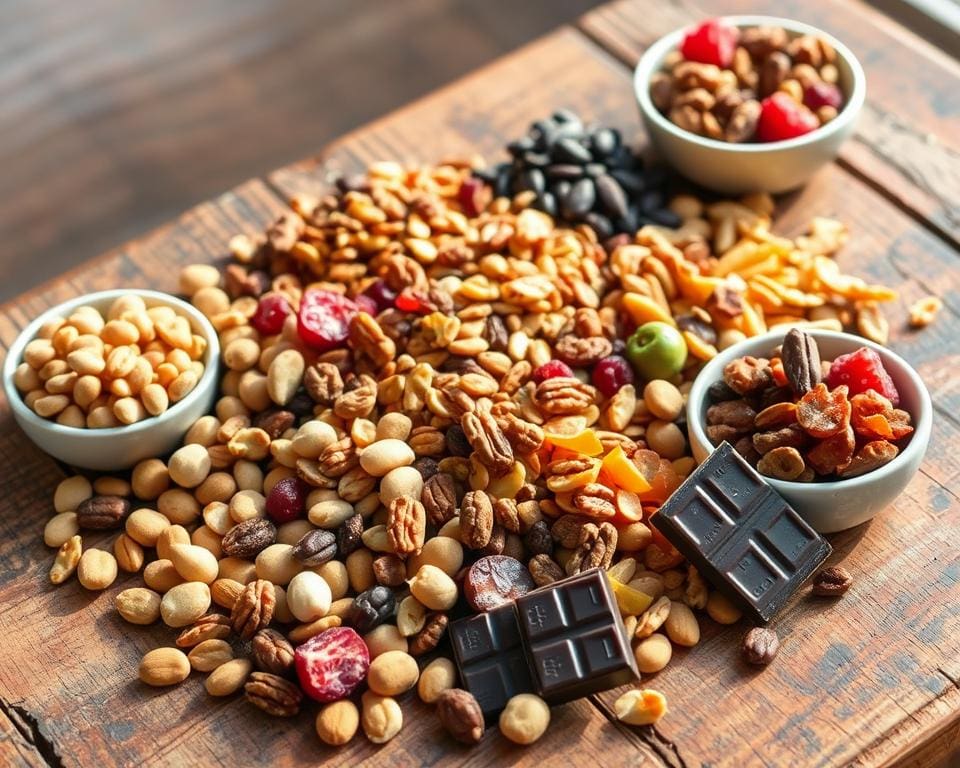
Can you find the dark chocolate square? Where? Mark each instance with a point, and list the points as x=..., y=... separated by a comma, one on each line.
x=575, y=639
x=489, y=654
x=741, y=534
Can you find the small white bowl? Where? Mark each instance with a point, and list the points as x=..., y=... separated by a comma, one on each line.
x=772, y=167
x=841, y=504
x=117, y=447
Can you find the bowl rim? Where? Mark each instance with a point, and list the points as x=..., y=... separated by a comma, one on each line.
x=652, y=58
x=15, y=354
x=923, y=420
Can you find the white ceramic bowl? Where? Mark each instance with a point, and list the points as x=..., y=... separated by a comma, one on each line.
x=117, y=447
x=737, y=168
x=838, y=505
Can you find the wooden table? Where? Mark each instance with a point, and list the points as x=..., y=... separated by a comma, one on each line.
x=872, y=679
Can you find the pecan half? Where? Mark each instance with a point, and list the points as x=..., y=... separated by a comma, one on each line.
x=801, y=361
x=273, y=694
x=249, y=538
x=545, y=570
x=430, y=636
x=439, y=498
x=460, y=715
x=505, y=513
x=564, y=395
x=595, y=548
x=272, y=652
x=338, y=458
x=595, y=501
x=832, y=581
x=580, y=352
x=323, y=383
x=487, y=439
x=213, y=626
x=566, y=530
x=102, y=513
x=524, y=436
x=476, y=519
x=253, y=609
x=406, y=525
x=359, y=402
x=368, y=337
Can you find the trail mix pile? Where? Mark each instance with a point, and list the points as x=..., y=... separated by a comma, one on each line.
x=409, y=387
x=753, y=84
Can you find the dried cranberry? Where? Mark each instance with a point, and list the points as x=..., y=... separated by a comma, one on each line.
x=782, y=118
x=552, y=370
x=712, y=42
x=379, y=292
x=472, y=195
x=611, y=373
x=860, y=371
x=410, y=300
x=366, y=304
x=324, y=319
x=287, y=500
x=822, y=94
x=332, y=664
x=272, y=310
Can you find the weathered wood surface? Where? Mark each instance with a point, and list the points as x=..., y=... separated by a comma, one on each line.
x=872, y=679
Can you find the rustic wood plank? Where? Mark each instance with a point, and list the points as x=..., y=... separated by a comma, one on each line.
x=861, y=675
x=908, y=138
x=863, y=665
x=17, y=740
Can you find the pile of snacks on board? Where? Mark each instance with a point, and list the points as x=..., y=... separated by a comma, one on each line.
x=411, y=385
x=753, y=84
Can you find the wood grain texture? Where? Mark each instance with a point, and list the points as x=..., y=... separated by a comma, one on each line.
x=871, y=679
x=907, y=142
x=117, y=117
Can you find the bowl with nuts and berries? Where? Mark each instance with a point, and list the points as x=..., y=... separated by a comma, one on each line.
x=107, y=379
x=837, y=424
x=746, y=103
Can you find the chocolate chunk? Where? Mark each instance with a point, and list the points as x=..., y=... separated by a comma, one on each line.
x=574, y=638
x=741, y=534
x=489, y=654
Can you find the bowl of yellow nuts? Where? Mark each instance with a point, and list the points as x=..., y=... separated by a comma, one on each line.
x=107, y=379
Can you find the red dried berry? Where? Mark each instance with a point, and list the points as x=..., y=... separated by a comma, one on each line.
x=860, y=371
x=472, y=196
x=272, y=311
x=782, y=118
x=324, y=319
x=552, y=370
x=380, y=293
x=712, y=42
x=612, y=373
x=287, y=500
x=332, y=664
x=822, y=94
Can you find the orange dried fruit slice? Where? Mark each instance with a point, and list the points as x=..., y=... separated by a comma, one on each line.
x=822, y=413
x=623, y=472
x=585, y=442
x=631, y=601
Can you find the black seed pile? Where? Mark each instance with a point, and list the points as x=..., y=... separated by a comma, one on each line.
x=583, y=174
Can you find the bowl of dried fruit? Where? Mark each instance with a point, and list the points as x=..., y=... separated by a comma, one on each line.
x=107, y=379
x=748, y=103
x=838, y=425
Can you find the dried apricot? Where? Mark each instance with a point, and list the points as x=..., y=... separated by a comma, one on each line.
x=873, y=455
x=874, y=417
x=823, y=413
x=834, y=453
x=623, y=472
x=585, y=442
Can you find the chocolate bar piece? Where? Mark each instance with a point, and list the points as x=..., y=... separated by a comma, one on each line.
x=741, y=534
x=489, y=653
x=574, y=638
